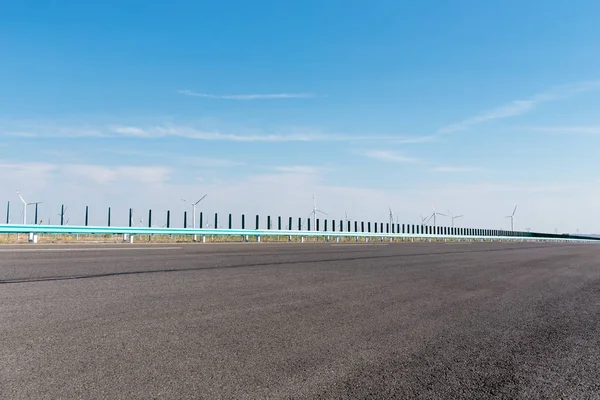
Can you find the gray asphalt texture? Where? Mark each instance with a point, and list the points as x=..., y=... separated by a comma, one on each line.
x=246, y=321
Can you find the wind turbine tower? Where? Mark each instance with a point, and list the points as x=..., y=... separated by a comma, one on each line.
x=194, y=212
x=25, y=204
x=512, y=219
x=314, y=212
x=454, y=217
x=434, y=215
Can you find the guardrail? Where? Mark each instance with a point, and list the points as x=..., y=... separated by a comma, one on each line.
x=34, y=230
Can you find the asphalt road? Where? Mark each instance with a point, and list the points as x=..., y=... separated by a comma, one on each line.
x=430, y=321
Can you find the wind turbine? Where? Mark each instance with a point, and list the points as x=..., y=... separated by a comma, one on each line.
x=194, y=212
x=512, y=219
x=391, y=217
x=435, y=213
x=454, y=217
x=25, y=204
x=314, y=213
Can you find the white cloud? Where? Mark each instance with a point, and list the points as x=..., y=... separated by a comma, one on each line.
x=519, y=107
x=592, y=130
x=452, y=169
x=130, y=131
x=248, y=96
x=390, y=156
x=188, y=132
x=106, y=174
x=299, y=169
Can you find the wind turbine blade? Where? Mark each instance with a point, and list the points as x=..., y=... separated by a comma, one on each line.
x=442, y=214
x=201, y=199
x=458, y=216
x=514, y=211
x=21, y=197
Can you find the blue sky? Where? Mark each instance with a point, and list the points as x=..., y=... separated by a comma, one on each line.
x=468, y=105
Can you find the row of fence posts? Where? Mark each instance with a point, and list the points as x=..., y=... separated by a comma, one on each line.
x=368, y=227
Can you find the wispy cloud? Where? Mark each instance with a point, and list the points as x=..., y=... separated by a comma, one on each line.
x=454, y=169
x=106, y=174
x=248, y=96
x=299, y=169
x=26, y=130
x=520, y=107
x=99, y=174
x=592, y=130
x=390, y=156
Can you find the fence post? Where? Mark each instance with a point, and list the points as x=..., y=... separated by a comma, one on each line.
x=299, y=223
x=243, y=221
x=257, y=221
x=35, y=221
x=201, y=220
x=290, y=224
x=184, y=219
x=268, y=222
x=108, y=216
x=216, y=221
x=325, y=225
x=333, y=225
x=308, y=225
x=279, y=223
x=317, y=227
x=8, y=213
x=149, y=218
x=230, y=222
x=62, y=214
x=86, y=215
x=168, y=218
x=130, y=217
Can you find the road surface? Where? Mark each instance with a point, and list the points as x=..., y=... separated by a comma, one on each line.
x=245, y=321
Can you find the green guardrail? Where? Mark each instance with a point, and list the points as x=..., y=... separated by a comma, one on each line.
x=114, y=230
